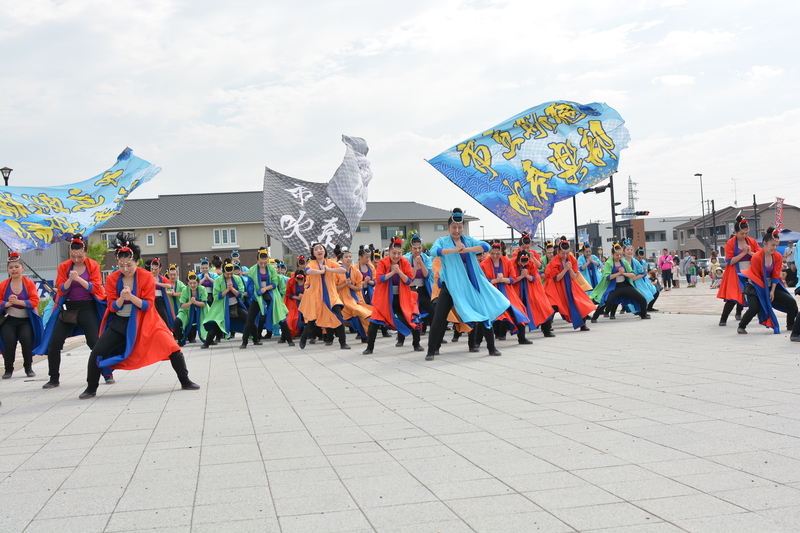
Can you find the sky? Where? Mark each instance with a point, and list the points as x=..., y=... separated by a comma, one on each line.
x=212, y=92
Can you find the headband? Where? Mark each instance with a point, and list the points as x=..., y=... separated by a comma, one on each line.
x=12, y=256
x=228, y=267
x=457, y=215
x=173, y=267
x=191, y=275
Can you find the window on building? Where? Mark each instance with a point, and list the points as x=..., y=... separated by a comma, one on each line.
x=663, y=236
x=108, y=239
x=440, y=227
x=150, y=240
x=674, y=235
x=173, y=238
x=648, y=237
x=682, y=239
x=362, y=229
x=224, y=237
x=388, y=232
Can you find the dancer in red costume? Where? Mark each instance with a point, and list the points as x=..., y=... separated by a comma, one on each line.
x=739, y=251
x=394, y=304
x=531, y=291
x=562, y=287
x=500, y=272
x=133, y=334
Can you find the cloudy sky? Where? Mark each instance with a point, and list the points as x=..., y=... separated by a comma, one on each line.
x=214, y=91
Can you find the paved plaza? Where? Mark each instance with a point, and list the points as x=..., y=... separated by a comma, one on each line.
x=668, y=425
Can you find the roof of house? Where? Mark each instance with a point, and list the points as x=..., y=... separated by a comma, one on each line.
x=729, y=214
x=177, y=210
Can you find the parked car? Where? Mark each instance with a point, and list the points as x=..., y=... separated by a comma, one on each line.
x=702, y=266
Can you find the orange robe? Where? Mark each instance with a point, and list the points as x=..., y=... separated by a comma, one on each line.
x=537, y=304
x=383, y=297
x=320, y=288
x=353, y=300
x=519, y=316
x=569, y=301
x=731, y=286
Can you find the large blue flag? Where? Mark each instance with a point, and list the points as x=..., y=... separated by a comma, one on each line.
x=520, y=168
x=36, y=217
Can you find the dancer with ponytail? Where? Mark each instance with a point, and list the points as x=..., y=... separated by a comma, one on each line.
x=349, y=285
x=499, y=270
x=739, y=251
x=616, y=287
x=765, y=289
x=562, y=288
x=192, y=312
x=463, y=286
x=80, y=304
x=19, y=304
x=531, y=291
x=321, y=306
x=394, y=304
x=133, y=334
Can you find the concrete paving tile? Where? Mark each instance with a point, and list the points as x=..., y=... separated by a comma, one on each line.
x=684, y=467
x=763, y=497
x=230, y=453
x=222, y=513
x=689, y=506
x=380, y=491
x=316, y=502
x=658, y=527
x=64, y=458
x=472, y=488
x=658, y=487
x=575, y=496
x=259, y=525
x=325, y=522
x=764, y=464
x=611, y=515
x=787, y=516
x=81, y=502
x=722, y=480
x=75, y=524
x=232, y=475
x=150, y=519
x=506, y=505
x=735, y=523
x=525, y=522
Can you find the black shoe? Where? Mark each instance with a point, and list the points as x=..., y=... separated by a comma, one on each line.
x=88, y=393
x=368, y=351
x=257, y=343
x=444, y=341
x=205, y=346
x=190, y=385
x=302, y=343
x=501, y=338
x=51, y=384
x=329, y=343
x=312, y=341
x=723, y=322
x=243, y=347
x=8, y=373
x=494, y=352
x=653, y=310
x=399, y=344
x=290, y=342
x=549, y=334
x=605, y=315
x=418, y=348
x=30, y=373
x=344, y=347
x=429, y=357
x=585, y=328
x=645, y=316
x=454, y=339
x=594, y=321
x=738, y=317
x=525, y=341
x=794, y=339
x=474, y=349
x=110, y=380
x=281, y=341
x=741, y=331
x=386, y=334
x=612, y=317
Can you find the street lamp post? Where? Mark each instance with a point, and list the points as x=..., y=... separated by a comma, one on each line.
x=703, y=210
x=6, y=173
x=483, y=233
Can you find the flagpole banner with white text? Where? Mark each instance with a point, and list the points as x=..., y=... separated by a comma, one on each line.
x=300, y=213
x=36, y=217
x=521, y=167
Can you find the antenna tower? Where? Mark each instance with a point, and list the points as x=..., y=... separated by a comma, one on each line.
x=628, y=212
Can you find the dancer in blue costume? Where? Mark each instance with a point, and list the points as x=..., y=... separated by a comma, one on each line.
x=642, y=284
x=464, y=287
x=616, y=287
x=590, y=265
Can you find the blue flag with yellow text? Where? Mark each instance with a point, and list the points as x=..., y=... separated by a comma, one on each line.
x=36, y=217
x=520, y=168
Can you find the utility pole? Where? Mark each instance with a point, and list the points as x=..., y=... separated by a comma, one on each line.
x=613, y=208
x=714, y=221
x=755, y=215
x=575, y=220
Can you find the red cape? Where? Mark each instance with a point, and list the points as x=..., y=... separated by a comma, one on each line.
x=382, y=297
x=513, y=295
x=557, y=293
x=540, y=307
x=729, y=288
x=153, y=340
x=95, y=279
x=293, y=318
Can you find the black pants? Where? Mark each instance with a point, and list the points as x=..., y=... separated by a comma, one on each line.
x=213, y=331
x=397, y=309
x=653, y=301
x=444, y=304
x=622, y=290
x=782, y=299
x=113, y=337
x=17, y=329
x=502, y=327
x=161, y=307
x=250, y=326
x=87, y=320
x=476, y=336
x=424, y=305
x=666, y=276
x=178, y=333
x=310, y=328
x=728, y=307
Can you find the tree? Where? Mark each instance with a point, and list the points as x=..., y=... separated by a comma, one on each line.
x=97, y=251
